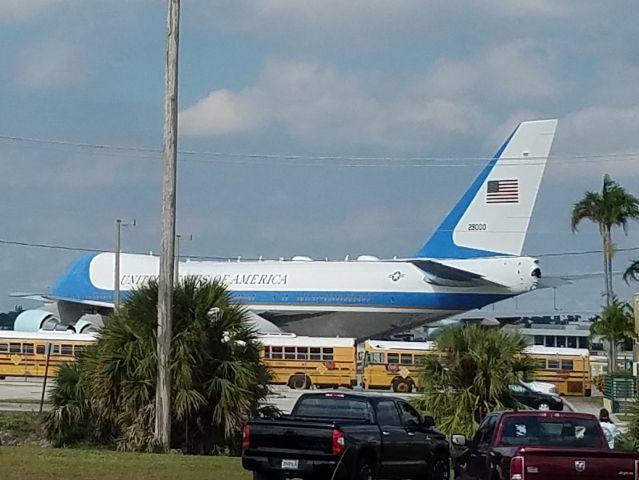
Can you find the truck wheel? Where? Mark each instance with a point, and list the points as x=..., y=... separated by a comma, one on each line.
x=440, y=468
x=299, y=382
x=363, y=470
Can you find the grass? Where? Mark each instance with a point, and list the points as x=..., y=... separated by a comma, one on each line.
x=17, y=421
x=51, y=463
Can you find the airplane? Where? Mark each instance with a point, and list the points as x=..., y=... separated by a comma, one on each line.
x=473, y=259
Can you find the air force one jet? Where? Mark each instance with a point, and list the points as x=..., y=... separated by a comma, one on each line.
x=473, y=259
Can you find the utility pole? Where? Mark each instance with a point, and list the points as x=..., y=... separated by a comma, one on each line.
x=116, y=280
x=178, y=237
x=167, y=241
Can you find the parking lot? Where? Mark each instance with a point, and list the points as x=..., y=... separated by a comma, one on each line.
x=24, y=394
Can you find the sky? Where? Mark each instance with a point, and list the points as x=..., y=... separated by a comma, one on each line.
x=269, y=87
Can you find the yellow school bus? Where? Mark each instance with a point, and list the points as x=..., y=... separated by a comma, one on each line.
x=24, y=354
x=567, y=368
x=302, y=362
x=392, y=364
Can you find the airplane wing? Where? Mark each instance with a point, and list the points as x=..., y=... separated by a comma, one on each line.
x=31, y=296
x=439, y=274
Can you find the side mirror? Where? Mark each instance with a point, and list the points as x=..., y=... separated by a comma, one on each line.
x=458, y=440
x=428, y=422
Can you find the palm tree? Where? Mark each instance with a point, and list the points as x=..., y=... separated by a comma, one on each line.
x=632, y=272
x=217, y=379
x=470, y=376
x=615, y=325
x=613, y=207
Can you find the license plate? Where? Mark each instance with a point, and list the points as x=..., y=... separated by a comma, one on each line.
x=290, y=464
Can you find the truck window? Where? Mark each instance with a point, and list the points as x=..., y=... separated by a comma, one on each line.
x=410, y=418
x=332, y=406
x=486, y=431
x=557, y=432
x=387, y=413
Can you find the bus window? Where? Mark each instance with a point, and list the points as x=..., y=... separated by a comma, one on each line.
x=40, y=349
x=540, y=363
x=55, y=349
x=79, y=348
x=267, y=352
x=374, y=357
x=4, y=347
x=420, y=359
x=327, y=354
x=27, y=348
x=67, y=350
x=572, y=342
x=289, y=353
x=567, y=365
x=276, y=352
x=15, y=348
x=553, y=364
x=302, y=353
x=393, y=357
x=316, y=353
x=406, y=359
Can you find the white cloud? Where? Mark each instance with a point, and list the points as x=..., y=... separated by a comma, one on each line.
x=354, y=18
x=317, y=102
x=14, y=10
x=50, y=63
x=221, y=112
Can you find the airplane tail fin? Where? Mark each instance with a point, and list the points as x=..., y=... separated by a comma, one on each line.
x=492, y=217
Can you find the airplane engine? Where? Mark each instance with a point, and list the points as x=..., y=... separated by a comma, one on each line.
x=88, y=323
x=34, y=320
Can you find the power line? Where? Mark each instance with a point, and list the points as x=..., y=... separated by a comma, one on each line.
x=220, y=258
x=239, y=158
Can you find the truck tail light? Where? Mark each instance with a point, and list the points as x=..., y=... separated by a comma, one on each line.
x=517, y=468
x=339, y=442
x=246, y=437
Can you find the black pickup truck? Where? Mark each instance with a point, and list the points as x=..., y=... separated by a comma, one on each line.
x=346, y=436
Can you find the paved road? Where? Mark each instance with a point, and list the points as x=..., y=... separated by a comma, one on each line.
x=14, y=392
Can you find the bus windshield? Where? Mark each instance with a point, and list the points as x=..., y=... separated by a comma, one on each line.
x=332, y=406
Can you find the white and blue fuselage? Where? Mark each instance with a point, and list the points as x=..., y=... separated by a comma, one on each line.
x=473, y=259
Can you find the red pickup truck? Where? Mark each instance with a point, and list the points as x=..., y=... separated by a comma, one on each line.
x=541, y=446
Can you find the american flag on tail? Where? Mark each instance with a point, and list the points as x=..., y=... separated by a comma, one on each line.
x=502, y=191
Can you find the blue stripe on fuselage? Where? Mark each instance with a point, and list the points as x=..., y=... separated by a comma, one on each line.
x=75, y=285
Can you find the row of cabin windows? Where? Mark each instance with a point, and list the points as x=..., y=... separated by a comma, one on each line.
x=298, y=353
x=561, y=341
x=30, y=348
x=397, y=358
x=543, y=364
